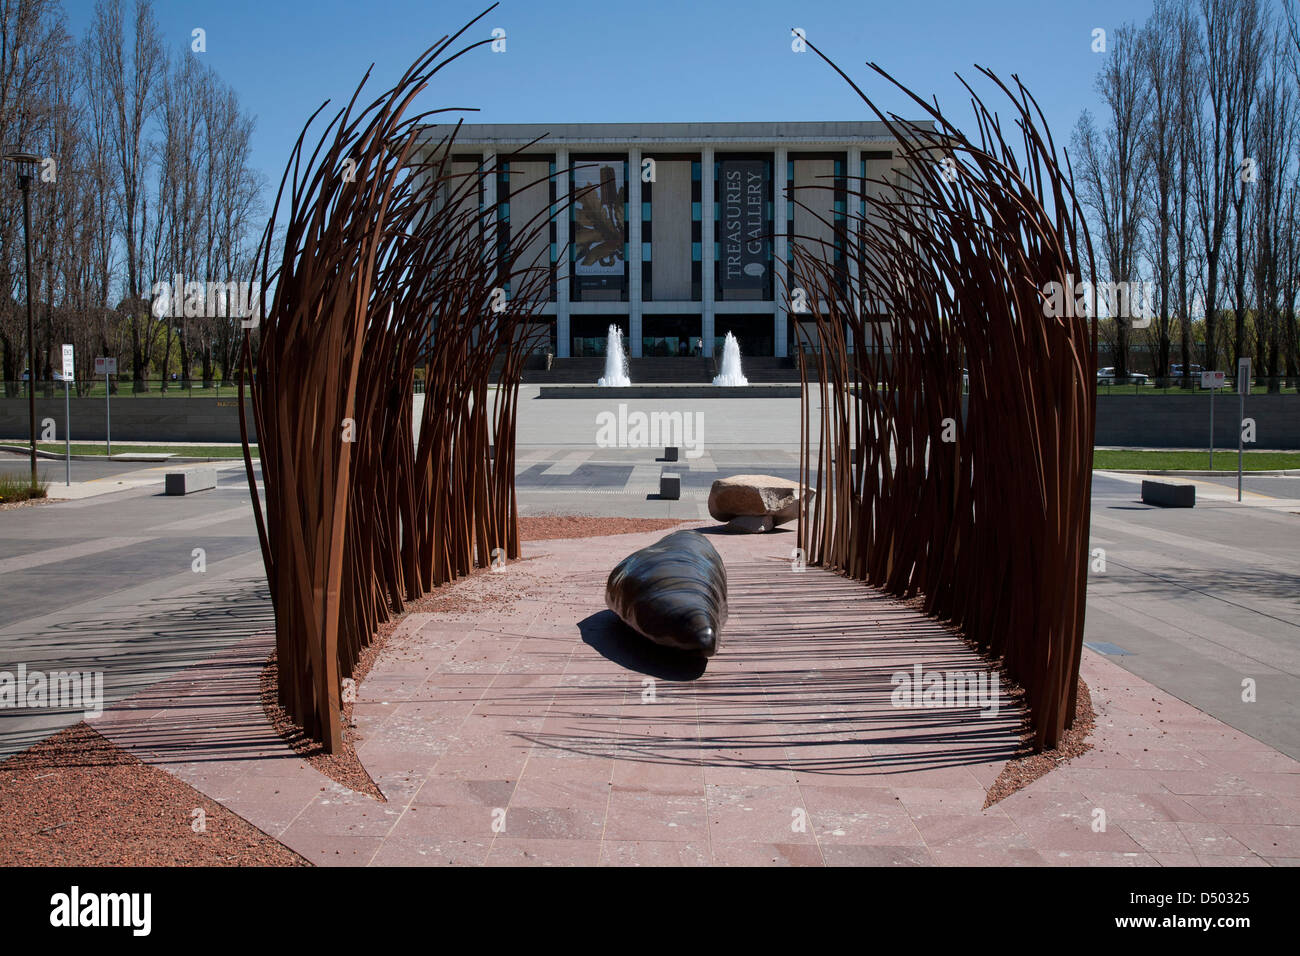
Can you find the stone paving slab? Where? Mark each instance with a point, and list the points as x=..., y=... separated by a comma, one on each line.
x=542, y=733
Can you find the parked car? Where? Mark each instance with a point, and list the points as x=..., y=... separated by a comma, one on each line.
x=57, y=373
x=1106, y=376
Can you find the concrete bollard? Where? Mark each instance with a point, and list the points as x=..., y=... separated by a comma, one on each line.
x=190, y=481
x=670, y=486
x=1168, y=494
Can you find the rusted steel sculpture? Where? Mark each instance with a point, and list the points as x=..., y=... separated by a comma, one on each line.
x=984, y=515
x=388, y=263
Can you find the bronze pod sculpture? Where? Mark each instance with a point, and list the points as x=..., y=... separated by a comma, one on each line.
x=673, y=592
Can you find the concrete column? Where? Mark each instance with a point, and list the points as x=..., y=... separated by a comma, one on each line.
x=853, y=210
x=780, y=250
x=634, y=251
x=490, y=187
x=562, y=244
x=706, y=247
x=490, y=220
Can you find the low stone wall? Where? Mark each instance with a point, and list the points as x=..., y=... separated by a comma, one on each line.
x=1133, y=421
x=134, y=419
x=1183, y=421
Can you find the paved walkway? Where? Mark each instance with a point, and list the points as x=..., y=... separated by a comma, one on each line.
x=527, y=734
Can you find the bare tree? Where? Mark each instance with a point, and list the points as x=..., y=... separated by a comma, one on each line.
x=129, y=81
x=1248, y=34
x=1159, y=59
x=31, y=34
x=1214, y=140
x=1189, y=95
x=1114, y=167
x=1275, y=139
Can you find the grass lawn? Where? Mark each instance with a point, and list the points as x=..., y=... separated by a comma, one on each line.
x=1224, y=460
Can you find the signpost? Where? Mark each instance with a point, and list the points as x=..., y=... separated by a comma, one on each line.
x=107, y=366
x=1243, y=389
x=69, y=369
x=1211, y=380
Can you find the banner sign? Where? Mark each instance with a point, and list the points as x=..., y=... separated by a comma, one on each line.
x=598, y=218
x=745, y=258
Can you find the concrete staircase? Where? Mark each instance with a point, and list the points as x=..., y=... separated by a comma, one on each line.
x=675, y=371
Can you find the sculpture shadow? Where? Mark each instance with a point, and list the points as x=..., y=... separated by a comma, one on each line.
x=722, y=529
x=613, y=640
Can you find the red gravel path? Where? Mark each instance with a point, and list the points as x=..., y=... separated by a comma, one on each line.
x=78, y=800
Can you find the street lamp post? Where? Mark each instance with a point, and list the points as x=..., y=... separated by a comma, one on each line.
x=25, y=164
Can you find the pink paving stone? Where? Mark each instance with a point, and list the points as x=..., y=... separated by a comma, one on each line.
x=684, y=776
x=454, y=792
x=982, y=830
x=462, y=822
x=646, y=816
x=1096, y=858
x=1268, y=761
x=766, y=854
x=554, y=823
x=1210, y=839
x=1052, y=835
x=986, y=856
x=511, y=709
x=432, y=851
x=1268, y=841
x=1157, y=836
x=332, y=850
x=644, y=853
x=859, y=816
x=515, y=852
x=860, y=855
x=757, y=814
x=577, y=792
x=1251, y=809
x=1123, y=807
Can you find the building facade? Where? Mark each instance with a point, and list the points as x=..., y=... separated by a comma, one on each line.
x=678, y=233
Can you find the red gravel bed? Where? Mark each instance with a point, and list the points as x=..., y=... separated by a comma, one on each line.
x=27, y=503
x=1024, y=770
x=78, y=800
x=542, y=527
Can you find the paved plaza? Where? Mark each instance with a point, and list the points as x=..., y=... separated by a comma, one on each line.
x=537, y=712
x=543, y=734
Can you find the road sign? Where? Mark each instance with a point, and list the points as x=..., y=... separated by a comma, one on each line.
x=105, y=365
x=1243, y=389
x=68, y=373
x=1212, y=379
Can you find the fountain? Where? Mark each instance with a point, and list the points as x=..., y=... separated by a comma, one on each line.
x=731, y=375
x=615, y=362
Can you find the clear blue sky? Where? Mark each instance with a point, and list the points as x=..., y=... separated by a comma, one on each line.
x=649, y=60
